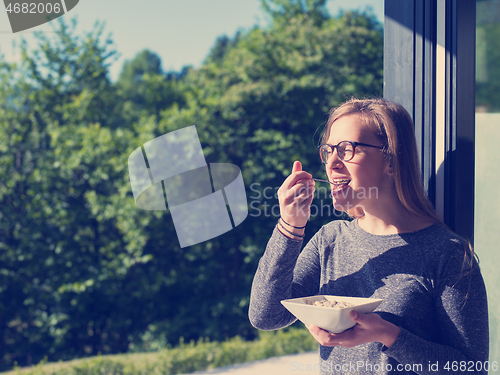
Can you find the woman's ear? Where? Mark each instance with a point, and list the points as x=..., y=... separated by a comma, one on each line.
x=389, y=169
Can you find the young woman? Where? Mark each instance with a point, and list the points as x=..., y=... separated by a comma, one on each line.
x=434, y=315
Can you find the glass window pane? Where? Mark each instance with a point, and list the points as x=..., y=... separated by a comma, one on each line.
x=487, y=154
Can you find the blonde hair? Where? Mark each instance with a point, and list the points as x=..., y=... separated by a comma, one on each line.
x=393, y=125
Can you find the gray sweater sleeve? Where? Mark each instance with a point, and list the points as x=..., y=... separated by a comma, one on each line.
x=274, y=281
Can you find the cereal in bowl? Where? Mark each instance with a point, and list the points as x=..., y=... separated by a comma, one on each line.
x=326, y=303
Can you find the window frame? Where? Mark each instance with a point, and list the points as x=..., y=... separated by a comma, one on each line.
x=439, y=94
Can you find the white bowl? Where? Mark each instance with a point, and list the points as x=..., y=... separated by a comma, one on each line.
x=332, y=319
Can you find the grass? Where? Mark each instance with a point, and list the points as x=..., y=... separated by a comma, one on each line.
x=184, y=358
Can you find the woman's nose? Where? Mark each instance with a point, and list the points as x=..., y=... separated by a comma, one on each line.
x=334, y=161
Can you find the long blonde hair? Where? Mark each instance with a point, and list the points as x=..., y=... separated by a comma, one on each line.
x=393, y=125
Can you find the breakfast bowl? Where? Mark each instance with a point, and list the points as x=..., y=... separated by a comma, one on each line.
x=331, y=313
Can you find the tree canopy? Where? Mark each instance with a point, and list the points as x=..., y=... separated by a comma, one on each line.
x=82, y=269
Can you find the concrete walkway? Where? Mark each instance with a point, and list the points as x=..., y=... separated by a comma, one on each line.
x=303, y=363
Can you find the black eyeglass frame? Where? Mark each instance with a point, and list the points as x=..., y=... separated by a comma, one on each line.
x=353, y=144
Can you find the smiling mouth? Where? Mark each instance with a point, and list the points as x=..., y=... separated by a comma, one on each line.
x=339, y=184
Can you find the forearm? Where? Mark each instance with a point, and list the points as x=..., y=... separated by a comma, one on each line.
x=390, y=335
x=273, y=283
x=463, y=339
x=460, y=336
x=425, y=357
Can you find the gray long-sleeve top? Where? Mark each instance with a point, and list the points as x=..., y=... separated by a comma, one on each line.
x=431, y=286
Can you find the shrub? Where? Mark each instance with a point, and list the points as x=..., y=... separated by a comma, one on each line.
x=184, y=358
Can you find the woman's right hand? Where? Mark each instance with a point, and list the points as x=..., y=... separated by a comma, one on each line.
x=295, y=197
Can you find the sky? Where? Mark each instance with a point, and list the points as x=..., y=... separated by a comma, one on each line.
x=181, y=32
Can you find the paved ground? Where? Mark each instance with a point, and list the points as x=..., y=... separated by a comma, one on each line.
x=303, y=363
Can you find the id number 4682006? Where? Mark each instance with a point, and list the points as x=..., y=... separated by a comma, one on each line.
x=34, y=8
x=470, y=366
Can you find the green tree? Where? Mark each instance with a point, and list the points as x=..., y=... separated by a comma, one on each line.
x=145, y=88
x=488, y=53
x=63, y=155
x=283, y=10
x=221, y=47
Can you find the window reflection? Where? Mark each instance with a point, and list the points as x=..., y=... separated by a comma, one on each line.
x=487, y=158
x=488, y=56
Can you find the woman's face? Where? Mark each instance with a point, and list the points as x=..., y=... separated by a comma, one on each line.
x=363, y=180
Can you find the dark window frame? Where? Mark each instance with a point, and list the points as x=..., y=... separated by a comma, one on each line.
x=410, y=40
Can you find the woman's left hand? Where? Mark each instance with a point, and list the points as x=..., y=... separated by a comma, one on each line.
x=369, y=328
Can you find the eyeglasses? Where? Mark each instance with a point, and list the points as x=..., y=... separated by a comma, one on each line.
x=345, y=150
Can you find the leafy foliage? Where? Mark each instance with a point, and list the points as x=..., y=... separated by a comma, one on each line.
x=488, y=72
x=145, y=88
x=186, y=357
x=82, y=270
